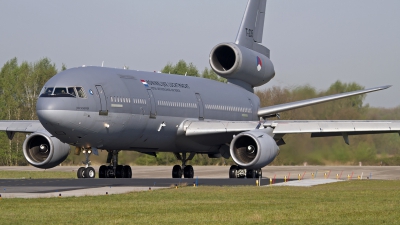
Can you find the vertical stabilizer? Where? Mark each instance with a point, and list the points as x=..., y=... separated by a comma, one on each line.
x=252, y=26
x=246, y=62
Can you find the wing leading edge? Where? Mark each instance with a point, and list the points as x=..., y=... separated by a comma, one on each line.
x=271, y=111
x=223, y=130
x=24, y=126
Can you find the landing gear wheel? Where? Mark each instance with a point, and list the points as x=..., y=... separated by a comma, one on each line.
x=250, y=173
x=89, y=172
x=233, y=171
x=258, y=173
x=102, y=171
x=110, y=172
x=177, y=171
x=188, y=172
x=80, y=172
x=127, y=172
x=119, y=171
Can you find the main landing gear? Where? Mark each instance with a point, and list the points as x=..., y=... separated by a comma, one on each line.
x=114, y=170
x=87, y=171
x=188, y=171
x=237, y=172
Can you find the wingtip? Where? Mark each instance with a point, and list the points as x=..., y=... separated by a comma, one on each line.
x=381, y=87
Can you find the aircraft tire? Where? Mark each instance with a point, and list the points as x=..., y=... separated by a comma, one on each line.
x=250, y=173
x=233, y=171
x=102, y=171
x=120, y=172
x=177, y=171
x=110, y=172
x=188, y=172
x=89, y=172
x=127, y=172
x=80, y=172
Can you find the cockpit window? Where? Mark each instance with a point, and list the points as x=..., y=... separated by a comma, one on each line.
x=71, y=91
x=49, y=91
x=60, y=90
x=63, y=92
x=81, y=92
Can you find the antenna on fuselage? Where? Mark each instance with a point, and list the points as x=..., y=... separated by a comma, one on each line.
x=102, y=64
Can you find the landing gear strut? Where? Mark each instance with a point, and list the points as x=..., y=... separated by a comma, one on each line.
x=114, y=170
x=237, y=172
x=188, y=171
x=87, y=171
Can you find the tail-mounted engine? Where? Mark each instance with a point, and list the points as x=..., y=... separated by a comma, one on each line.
x=253, y=149
x=43, y=151
x=236, y=62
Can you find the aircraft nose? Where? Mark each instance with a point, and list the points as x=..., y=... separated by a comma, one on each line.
x=52, y=111
x=50, y=117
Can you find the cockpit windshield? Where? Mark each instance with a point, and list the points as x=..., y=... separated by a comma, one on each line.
x=81, y=92
x=63, y=92
x=48, y=90
x=71, y=91
x=59, y=91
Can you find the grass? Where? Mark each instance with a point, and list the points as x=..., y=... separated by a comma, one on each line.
x=9, y=174
x=352, y=202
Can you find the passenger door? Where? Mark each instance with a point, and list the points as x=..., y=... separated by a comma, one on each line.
x=201, y=106
x=102, y=100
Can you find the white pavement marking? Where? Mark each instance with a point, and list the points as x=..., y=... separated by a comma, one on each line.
x=80, y=192
x=307, y=183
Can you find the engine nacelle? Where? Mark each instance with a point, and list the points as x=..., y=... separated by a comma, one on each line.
x=236, y=62
x=253, y=149
x=43, y=151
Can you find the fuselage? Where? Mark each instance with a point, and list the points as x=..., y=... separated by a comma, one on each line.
x=110, y=108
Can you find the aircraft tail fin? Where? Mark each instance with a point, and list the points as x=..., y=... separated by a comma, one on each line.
x=252, y=26
x=245, y=63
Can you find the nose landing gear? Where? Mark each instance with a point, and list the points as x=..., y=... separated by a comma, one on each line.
x=87, y=171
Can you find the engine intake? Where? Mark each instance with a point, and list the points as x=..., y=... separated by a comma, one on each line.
x=236, y=62
x=43, y=151
x=253, y=149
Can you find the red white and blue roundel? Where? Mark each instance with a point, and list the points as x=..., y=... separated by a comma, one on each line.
x=259, y=63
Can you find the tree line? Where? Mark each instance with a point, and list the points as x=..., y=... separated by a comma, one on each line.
x=20, y=85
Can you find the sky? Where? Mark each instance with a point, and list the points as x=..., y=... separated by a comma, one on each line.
x=311, y=41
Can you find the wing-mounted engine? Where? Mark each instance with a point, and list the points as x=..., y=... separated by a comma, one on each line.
x=43, y=151
x=253, y=149
x=241, y=64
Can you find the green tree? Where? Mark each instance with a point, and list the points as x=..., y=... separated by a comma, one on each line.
x=210, y=74
x=20, y=86
x=181, y=68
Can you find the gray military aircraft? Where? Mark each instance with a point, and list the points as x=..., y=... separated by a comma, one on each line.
x=95, y=108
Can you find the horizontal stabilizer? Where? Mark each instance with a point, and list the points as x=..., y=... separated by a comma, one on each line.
x=273, y=110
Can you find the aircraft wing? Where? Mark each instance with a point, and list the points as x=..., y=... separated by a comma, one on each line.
x=329, y=128
x=223, y=131
x=273, y=110
x=23, y=126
